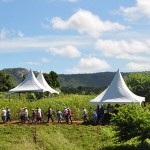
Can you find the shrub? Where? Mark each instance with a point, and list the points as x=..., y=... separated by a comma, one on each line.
x=132, y=121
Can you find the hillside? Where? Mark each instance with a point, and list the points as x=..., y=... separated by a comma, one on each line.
x=88, y=80
x=69, y=80
x=16, y=74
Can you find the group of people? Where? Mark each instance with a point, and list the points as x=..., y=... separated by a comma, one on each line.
x=36, y=115
x=98, y=115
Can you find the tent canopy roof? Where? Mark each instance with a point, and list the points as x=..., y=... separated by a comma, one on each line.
x=42, y=80
x=117, y=93
x=30, y=84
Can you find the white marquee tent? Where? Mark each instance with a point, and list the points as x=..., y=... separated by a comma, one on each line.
x=42, y=80
x=117, y=93
x=30, y=84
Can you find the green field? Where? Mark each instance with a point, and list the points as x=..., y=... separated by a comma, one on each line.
x=76, y=136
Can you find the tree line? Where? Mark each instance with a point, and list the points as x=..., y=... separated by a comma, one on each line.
x=138, y=83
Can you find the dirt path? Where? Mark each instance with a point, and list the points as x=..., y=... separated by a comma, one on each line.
x=41, y=123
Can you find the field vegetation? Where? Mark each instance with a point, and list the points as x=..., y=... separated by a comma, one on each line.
x=128, y=130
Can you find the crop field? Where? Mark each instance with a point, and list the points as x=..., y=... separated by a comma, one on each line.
x=52, y=136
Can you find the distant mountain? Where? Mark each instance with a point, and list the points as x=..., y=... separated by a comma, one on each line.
x=88, y=80
x=16, y=74
x=70, y=80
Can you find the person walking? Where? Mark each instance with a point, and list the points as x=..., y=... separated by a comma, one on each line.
x=33, y=116
x=59, y=116
x=38, y=115
x=26, y=114
x=3, y=115
x=102, y=114
x=49, y=114
x=84, y=115
x=8, y=114
x=69, y=115
x=95, y=117
x=66, y=115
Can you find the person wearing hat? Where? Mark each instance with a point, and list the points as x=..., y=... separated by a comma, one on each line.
x=49, y=114
x=3, y=115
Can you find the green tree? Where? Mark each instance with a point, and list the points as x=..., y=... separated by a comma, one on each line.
x=139, y=83
x=5, y=82
x=52, y=79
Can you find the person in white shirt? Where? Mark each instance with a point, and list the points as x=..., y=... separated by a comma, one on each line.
x=84, y=115
x=3, y=115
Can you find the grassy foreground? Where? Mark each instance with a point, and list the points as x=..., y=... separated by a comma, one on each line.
x=55, y=137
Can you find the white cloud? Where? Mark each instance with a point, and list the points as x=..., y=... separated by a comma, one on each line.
x=135, y=12
x=129, y=50
x=90, y=65
x=6, y=1
x=45, y=60
x=33, y=63
x=85, y=22
x=40, y=42
x=10, y=33
x=72, y=1
x=20, y=34
x=4, y=33
x=68, y=51
x=138, y=66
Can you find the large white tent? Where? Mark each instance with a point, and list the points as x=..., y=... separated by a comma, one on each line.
x=117, y=93
x=42, y=80
x=30, y=84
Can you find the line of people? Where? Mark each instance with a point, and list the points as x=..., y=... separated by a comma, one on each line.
x=36, y=115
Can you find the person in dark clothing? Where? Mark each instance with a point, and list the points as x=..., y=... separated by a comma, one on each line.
x=8, y=114
x=49, y=114
x=98, y=114
x=66, y=115
x=102, y=113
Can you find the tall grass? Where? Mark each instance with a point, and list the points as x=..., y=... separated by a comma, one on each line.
x=74, y=102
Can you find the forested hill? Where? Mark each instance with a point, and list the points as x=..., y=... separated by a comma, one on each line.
x=70, y=80
x=16, y=74
x=88, y=80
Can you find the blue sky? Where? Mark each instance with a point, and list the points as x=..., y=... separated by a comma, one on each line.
x=75, y=36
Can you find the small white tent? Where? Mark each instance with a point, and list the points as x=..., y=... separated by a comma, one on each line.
x=117, y=93
x=30, y=84
x=42, y=80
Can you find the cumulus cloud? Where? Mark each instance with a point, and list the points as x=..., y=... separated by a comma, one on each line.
x=135, y=12
x=68, y=51
x=90, y=65
x=129, y=50
x=138, y=66
x=85, y=22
